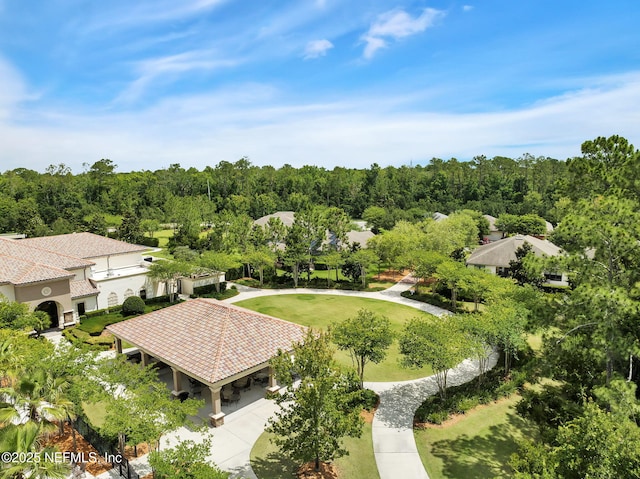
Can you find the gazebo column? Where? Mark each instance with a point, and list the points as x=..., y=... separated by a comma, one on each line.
x=177, y=382
x=144, y=358
x=118, y=345
x=217, y=416
x=273, y=384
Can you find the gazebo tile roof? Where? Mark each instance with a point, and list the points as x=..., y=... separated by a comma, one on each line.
x=210, y=339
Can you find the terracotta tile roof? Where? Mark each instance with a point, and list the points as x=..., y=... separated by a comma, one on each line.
x=82, y=288
x=24, y=250
x=209, y=339
x=501, y=252
x=18, y=271
x=84, y=245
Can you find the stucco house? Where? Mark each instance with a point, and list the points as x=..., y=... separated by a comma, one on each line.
x=495, y=257
x=67, y=275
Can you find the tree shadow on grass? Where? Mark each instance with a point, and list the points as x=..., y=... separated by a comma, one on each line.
x=274, y=466
x=486, y=456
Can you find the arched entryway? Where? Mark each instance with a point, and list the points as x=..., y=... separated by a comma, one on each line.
x=52, y=310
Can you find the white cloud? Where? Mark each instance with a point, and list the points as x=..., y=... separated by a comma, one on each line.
x=12, y=88
x=249, y=120
x=317, y=48
x=396, y=24
x=167, y=69
x=467, y=8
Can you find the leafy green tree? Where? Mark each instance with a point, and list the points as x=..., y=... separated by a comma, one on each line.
x=607, y=166
x=525, y=269
x=168, y=272
x=260, y=259
x=597, y=444
x=603, y=237
x=333, y=260
x=296, y=251
x=220, y=261
x=366, y=336
x=338, y=224
x=509, y=320
x=378, y=219
x=186, y=460
x=435, y=341
x=146, y=411
x=130, y=229
x=14, y=315
x=424, y=263
x=315, y=416
x=454, y=276
x=186, y=254
x=150, y=226
x=529, y=224
x=97, y=224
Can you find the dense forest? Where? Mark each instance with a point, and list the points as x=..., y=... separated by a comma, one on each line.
x=59, y=201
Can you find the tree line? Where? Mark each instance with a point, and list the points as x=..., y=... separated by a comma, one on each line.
x=59, y=201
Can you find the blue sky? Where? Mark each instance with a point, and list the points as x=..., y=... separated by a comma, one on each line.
x=325, y=82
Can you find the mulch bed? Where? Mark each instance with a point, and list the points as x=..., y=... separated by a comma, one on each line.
x=327, y=471
x=64, y=443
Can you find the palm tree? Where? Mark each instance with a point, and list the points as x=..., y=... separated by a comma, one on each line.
x=24, y=438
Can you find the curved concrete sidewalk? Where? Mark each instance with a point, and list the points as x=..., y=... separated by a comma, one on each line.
x=393, y=441
x=394, y=445
x=392, y=294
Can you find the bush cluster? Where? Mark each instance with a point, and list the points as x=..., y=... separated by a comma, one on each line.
x=465, y=397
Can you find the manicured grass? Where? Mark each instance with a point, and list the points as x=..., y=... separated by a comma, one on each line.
x=268, y=463
x=478, y=445
x=320, y=311
x=96, y=324
x=163, y=237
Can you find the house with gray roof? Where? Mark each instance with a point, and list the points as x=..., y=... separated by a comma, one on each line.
x=496, y=256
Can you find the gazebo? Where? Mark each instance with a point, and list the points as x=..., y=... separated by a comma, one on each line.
x=210, y=341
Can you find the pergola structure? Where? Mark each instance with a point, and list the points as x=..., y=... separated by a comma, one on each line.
x=210, y=341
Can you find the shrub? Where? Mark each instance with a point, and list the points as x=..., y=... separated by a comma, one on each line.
x=366, y=399
x=209, y=288
x=437, y=417
x=77, y=337
x=133, y=305
x=152, y=242
x=467, y=403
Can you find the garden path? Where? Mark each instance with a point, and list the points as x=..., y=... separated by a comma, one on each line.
x=393, y=441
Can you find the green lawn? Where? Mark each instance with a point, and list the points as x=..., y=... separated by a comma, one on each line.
x=478, y=446
x=320, y=311
x=163, y=237
x=268, y=463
